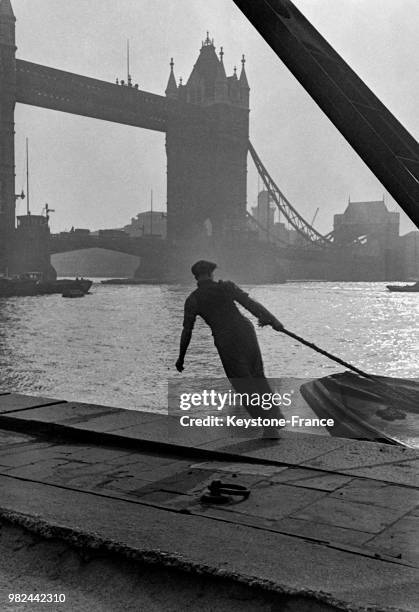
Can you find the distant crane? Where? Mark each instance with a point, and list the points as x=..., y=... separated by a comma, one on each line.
x=314, y=216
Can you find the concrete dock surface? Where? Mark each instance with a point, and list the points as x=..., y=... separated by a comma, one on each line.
x=113, y=497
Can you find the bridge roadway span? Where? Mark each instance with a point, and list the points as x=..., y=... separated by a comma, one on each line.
x=108, y=503
x=67, y=92
x=155, y=247
x=142, y=246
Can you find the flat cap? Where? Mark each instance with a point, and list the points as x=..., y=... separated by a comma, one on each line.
x=203, y=267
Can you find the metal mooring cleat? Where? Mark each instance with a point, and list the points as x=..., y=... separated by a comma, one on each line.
x=220, y=493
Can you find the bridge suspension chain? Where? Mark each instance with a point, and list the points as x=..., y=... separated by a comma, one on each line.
x=304, y=228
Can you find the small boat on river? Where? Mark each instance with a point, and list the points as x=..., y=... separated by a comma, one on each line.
x=404, y=288
x=73, y=293
x=65, y=284
x=32, y=283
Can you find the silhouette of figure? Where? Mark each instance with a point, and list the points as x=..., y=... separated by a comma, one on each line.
x=234, y=335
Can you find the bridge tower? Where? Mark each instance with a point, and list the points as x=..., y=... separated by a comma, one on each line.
x=207, y=155
x=25, y=249
x=7, y=147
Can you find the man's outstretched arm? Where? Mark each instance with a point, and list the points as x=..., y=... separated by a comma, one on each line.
x=264, y=316
x=185, y=338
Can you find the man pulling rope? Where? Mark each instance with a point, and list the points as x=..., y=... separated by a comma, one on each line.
x=234, y=335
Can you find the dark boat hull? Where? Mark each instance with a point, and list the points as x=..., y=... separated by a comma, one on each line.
x=17, y=287
x=366, y=409
x=73, y=293
x=404, y=288
x=63, y=285
x=28, y=287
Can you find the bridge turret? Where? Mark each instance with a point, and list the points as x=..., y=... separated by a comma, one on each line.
x=181, y=90
x=221, y=83
x=244, y=85
x=234, y=87
x=206, y=76
x=7, y=152
x=171, y=89
x=7, y=51
x=208, y=83
x=7, y=17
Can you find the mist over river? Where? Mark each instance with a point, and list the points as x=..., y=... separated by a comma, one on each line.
x=118, y=345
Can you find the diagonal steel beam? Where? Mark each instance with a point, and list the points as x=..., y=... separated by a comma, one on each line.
x=381, y=141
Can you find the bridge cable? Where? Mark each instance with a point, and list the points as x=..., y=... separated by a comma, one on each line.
x=304, y=228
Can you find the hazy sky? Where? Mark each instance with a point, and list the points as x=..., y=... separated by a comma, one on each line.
x=97, y=174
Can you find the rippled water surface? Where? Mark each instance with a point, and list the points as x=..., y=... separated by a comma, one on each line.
x=118, y=345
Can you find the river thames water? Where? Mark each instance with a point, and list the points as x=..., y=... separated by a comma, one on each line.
x=118, y=345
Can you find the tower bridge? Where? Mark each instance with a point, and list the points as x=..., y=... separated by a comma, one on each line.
x=206, y=122
x=206, y=125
